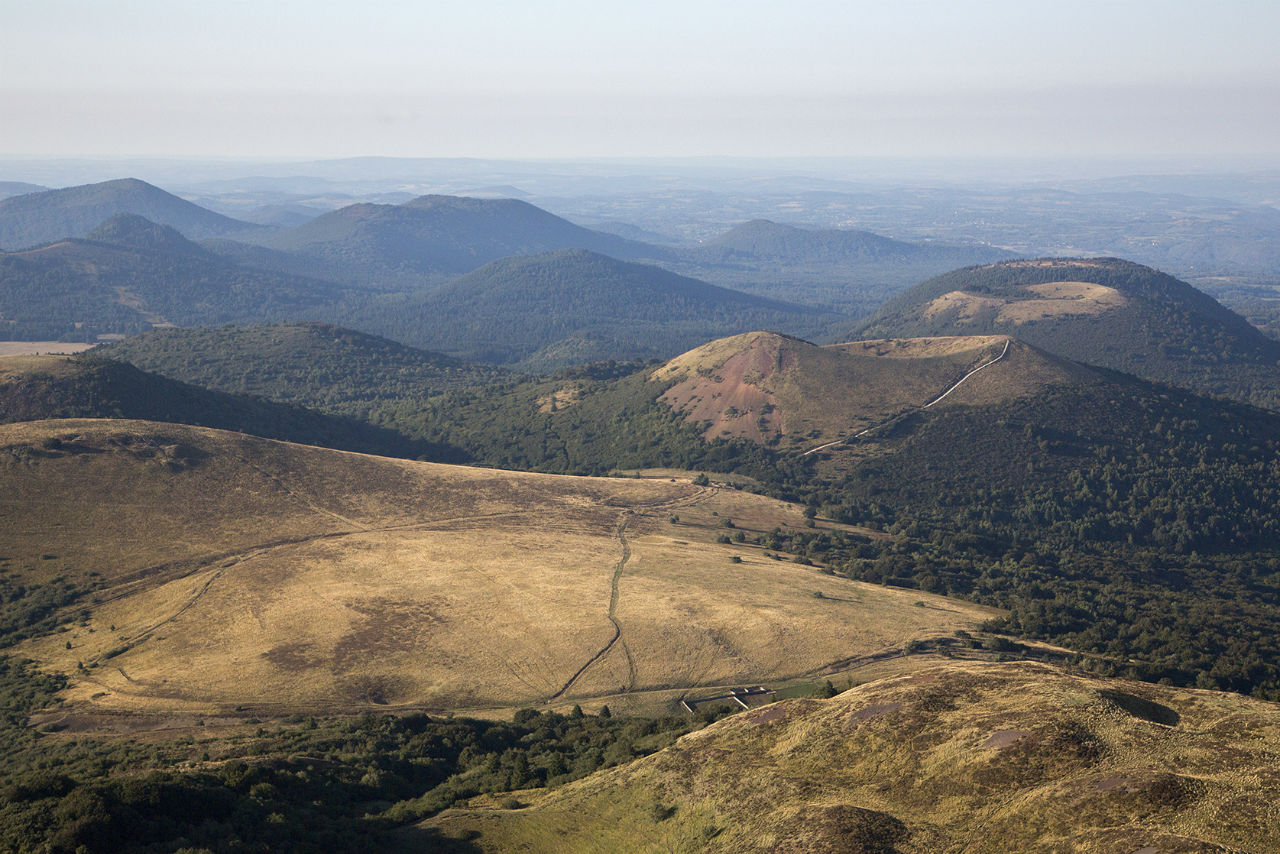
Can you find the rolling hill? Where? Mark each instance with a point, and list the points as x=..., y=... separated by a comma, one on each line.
x=764, y=241
x=277, y=578
x=843, y=269
x=18, y=188
x=131, y=274
x=40, y=218
x=1102, y=311
x=959, y=756
x=308, y=364
x=84, y=386
x=795, y=396
x=1088, y=502
x=509, y=310
x=437, y=237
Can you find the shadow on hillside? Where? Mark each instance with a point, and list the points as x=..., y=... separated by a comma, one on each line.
x=1145, y=709
x=414, y=838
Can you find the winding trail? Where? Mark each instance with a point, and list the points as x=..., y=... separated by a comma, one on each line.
x=939, y=398
x=620, y=531
x=217, y=564
x=227, y=560
x=901, y=415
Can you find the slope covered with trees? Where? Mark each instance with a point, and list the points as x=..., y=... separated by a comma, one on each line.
x=38, y=218
x=843, y=269
x=436, y=237
x=763, y=240
x=131, y=274
x=315, y=365
x=1102, y=311
x=509, y=310
x=85, y=386
x=260, y=786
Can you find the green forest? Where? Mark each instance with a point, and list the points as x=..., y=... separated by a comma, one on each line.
x=298, y=784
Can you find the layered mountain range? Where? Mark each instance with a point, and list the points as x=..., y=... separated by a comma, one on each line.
x=912, y=552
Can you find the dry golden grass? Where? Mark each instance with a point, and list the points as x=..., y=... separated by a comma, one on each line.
x=561, y=398
x=26, y=364
x=238, y=571
x=1055, y=299
x=964, y=306
x=959, y=756
x=28, y=348
x=923, y=348
x=1062, y=299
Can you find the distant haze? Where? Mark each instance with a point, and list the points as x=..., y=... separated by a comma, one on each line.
x=584, y=79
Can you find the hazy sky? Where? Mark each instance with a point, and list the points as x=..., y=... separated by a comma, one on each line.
x=562, y=78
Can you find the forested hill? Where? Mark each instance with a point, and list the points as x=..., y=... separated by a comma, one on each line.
x=131, y=231
x=39, y=218
x=439, y=236
x=134, y=274
x=35, y=388
x=765, y=240
x=849, y=271
x=532, y=307
x=1102, y=311
x=9, y=189
x=316, y=365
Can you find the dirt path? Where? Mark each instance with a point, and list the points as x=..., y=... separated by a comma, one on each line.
x=304, y=500
x=227, y=560
x=621, y=532
x=939, y=398
x=176, y=570
x=901, y=415
x=217, y=564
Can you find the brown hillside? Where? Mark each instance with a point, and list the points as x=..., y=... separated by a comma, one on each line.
x=1032, y=303
x=779, y=390
x=963, y=756
x=234, y=571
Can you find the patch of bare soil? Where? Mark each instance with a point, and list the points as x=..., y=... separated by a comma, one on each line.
x=1004, y=738
x=735, y=398
x=1060, y=299
x=1045, y=301
x=782, y=711
x=387, y=627
x=561, y=398
x=965, y=306
x=874, y=711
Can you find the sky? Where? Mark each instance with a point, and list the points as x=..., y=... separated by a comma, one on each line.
x=566, y=79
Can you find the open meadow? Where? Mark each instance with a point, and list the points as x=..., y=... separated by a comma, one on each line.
x=223, y=572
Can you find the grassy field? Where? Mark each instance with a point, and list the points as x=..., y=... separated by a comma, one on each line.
x=29, y=348
x=960, y=756
x=217, y=572
x=1053, y=299
x=20, y=364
